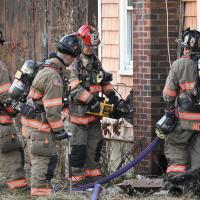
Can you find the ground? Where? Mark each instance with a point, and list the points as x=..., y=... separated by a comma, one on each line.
x=110, y=193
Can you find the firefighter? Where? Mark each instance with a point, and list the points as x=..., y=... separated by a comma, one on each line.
x=42, y=121
x=182, y=118
x=11, y=148
x=87, y=81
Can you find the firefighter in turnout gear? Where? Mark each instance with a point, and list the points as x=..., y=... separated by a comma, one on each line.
x=181, y=92
x=41, y=116
x=87, y=81
x=11, y=148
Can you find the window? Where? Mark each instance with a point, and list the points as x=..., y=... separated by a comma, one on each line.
x=126, y=39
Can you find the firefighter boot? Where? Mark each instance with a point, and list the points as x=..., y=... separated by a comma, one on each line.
x=92, y=175
x=90, y=179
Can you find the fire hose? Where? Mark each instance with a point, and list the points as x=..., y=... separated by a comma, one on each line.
x=96, y=191
x=97, y=185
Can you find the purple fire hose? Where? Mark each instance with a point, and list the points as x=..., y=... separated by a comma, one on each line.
x=96, y=191
x=121, y=171
x=141, y=156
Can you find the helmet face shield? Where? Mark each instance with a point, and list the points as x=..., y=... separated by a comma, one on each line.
x=94, y=37
x=191, y=40
x=185, y=42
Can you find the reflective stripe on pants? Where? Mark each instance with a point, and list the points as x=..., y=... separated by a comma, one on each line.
x=41, y=191
x=76, y=178
x=17, y=184
x=93, y=172
x=176, y=168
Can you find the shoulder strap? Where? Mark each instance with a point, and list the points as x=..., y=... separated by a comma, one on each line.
x=79, y=70
x=56, y=68
x=97, y=62
x=197, y=82
x=53, y=66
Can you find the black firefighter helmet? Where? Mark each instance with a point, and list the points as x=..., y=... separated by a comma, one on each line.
x=71, y=45
x=191, y=40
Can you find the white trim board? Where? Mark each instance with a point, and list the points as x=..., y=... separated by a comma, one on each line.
x=123, y=39
x=198, y=15
x=99, y=28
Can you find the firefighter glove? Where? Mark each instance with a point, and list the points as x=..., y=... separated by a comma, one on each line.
x=168, y=122
x=60, y=135
x=94, y=105
x=160, y=134
x=113, y=98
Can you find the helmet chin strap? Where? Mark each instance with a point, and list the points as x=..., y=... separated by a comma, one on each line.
x=87, y=55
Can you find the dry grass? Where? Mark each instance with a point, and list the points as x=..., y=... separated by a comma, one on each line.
x=111, y=193
x=17, y=194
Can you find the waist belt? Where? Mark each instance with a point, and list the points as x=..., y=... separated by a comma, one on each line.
x=30, y=111
x=39, y=108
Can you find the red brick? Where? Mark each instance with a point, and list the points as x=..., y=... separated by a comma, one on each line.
x=151, y=64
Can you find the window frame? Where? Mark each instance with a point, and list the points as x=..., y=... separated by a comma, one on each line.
x=198, y=15
x=99, y=29
x=124, y=68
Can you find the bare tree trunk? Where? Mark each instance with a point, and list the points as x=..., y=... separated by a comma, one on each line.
x=36, y=24
x=70, y=15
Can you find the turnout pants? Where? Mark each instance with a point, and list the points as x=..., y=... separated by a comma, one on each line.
x=182, y=149
x=43, y=157
x=12, y=157
x=86, y=145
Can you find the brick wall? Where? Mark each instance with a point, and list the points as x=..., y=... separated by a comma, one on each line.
x=150, y=65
